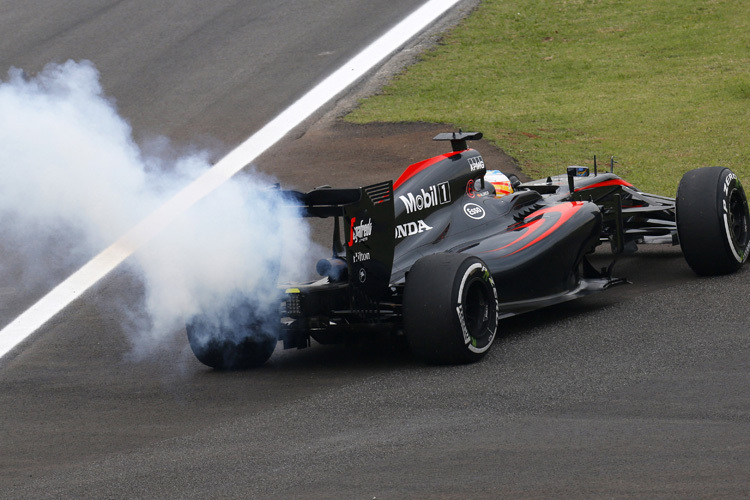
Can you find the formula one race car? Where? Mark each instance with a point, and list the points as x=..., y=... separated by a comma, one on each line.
x=449, y=249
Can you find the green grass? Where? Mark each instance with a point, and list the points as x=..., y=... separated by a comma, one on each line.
x=662, y=85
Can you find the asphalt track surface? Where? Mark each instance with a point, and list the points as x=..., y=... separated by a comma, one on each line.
x=641, y=392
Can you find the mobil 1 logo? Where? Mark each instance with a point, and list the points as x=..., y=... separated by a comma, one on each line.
x=435, y=195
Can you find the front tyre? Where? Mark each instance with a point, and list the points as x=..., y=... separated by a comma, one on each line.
x=712, y=221
x=450, y=309
x=240, y=339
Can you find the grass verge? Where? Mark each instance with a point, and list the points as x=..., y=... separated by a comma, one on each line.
x=662, y=85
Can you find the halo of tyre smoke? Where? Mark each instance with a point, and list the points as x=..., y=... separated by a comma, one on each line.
x=71, y=174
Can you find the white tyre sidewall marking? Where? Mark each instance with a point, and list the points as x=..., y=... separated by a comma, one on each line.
x=459, y=309
x=725, y=208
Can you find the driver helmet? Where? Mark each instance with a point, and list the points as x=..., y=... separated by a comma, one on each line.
x=500, y=181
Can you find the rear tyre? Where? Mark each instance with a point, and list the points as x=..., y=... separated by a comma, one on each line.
x=450, y=309
x=712, y=221
x=239, y=340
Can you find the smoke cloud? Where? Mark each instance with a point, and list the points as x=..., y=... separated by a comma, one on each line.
x=72, y=175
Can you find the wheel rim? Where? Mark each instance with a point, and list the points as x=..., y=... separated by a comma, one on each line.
x=477, y=312
x=738, y=219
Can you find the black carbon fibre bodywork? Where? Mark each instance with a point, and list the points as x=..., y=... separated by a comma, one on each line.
x=532, y=246
x=534, y=241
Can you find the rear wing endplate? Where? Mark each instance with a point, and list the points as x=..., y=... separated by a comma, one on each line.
x=369, y=228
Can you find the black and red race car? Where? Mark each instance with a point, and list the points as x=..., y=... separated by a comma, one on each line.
x=446, y=251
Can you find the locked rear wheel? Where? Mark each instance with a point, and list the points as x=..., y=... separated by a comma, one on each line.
x=712, y=221
x=450, y=309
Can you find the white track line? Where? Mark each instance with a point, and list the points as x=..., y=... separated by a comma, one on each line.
x=93, y=271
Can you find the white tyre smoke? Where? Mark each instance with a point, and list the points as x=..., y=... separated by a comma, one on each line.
x=71, y=172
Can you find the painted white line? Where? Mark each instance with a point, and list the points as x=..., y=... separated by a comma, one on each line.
x=93, y=271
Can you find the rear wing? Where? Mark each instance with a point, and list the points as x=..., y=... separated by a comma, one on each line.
x=369, y=226
x=323, y=201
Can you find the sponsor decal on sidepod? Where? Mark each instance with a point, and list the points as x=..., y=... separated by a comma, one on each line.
x=411, y=228
x=474, y=211
x=434, y=196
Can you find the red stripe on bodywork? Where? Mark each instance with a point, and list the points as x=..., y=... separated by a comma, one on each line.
x=611, y=182
x=414, y=169
x=556, y=215
x=351, y=232
x=530, y=225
